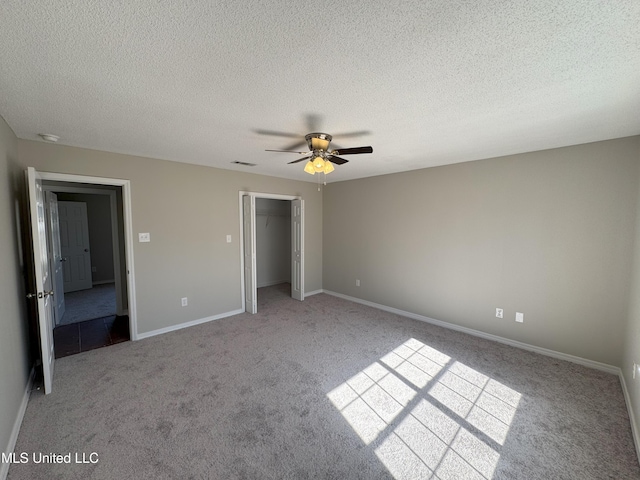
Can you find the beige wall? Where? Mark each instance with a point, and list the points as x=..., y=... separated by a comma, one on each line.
x=14, y=342
x=548, y=233
x=188, y=210
x=631, y=351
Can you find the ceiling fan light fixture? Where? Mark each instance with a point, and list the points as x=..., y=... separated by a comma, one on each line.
x=328, y=167
x=318, y=164
x=309, y=168
x=319, y=158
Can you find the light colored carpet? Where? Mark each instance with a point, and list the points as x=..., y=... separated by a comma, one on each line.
x=96, y=302
x=326, y=388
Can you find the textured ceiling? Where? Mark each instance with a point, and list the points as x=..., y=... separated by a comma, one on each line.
x=435, y=82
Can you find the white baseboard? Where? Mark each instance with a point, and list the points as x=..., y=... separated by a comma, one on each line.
x=315, y=292
x=273, y=282
x=4, y=467
x=192, y=323
x=477, y=333
x=103, y=282
x=632, y=418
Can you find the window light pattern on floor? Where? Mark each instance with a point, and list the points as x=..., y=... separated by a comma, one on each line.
x=429, y=415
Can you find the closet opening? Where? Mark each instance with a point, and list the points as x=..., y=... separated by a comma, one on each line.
x=272, y=240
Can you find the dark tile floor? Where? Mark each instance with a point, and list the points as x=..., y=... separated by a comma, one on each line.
x=84, y=336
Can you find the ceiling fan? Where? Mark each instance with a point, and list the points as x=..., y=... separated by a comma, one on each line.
x=320, y=158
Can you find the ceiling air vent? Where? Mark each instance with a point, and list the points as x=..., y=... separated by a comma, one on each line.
x=245, y=164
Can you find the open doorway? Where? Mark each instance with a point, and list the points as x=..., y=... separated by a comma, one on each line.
x=40, y=281
x=273, y=248
x=272, y=240
x=84, y=238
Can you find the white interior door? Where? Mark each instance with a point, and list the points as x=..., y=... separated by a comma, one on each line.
x=297, y=249
x=43, y=293
x=55, y=256
x=250, y=281
x=74, y=240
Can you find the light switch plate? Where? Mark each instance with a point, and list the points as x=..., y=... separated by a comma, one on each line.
x=144, y=237
x=228, y=238
x=519, y=317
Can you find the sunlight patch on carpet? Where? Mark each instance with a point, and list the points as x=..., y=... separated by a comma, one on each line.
x=428, y=414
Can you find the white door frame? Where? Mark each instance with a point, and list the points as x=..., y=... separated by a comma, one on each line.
x=275, y=196
x=297, y=249
x=249, y=256
x=115, y=238
x=128, y=231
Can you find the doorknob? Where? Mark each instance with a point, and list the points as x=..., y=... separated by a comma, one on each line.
x=86, y=249
x=40, y=294
x=63, y=259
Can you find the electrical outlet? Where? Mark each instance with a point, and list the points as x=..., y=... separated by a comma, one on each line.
x=144, y=237
x=357, y=282
x=499, y=313
x=519, y=317
x=184, y=301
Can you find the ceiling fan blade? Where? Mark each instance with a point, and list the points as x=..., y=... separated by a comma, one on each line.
x=353, y=134
x=353, y=151
x=277, y=134
x=337, y=160
x=297, y=144
x=313, y=121
x=288, y=151
x=299, y=160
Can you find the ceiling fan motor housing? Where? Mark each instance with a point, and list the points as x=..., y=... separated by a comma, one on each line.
x=318, y=141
